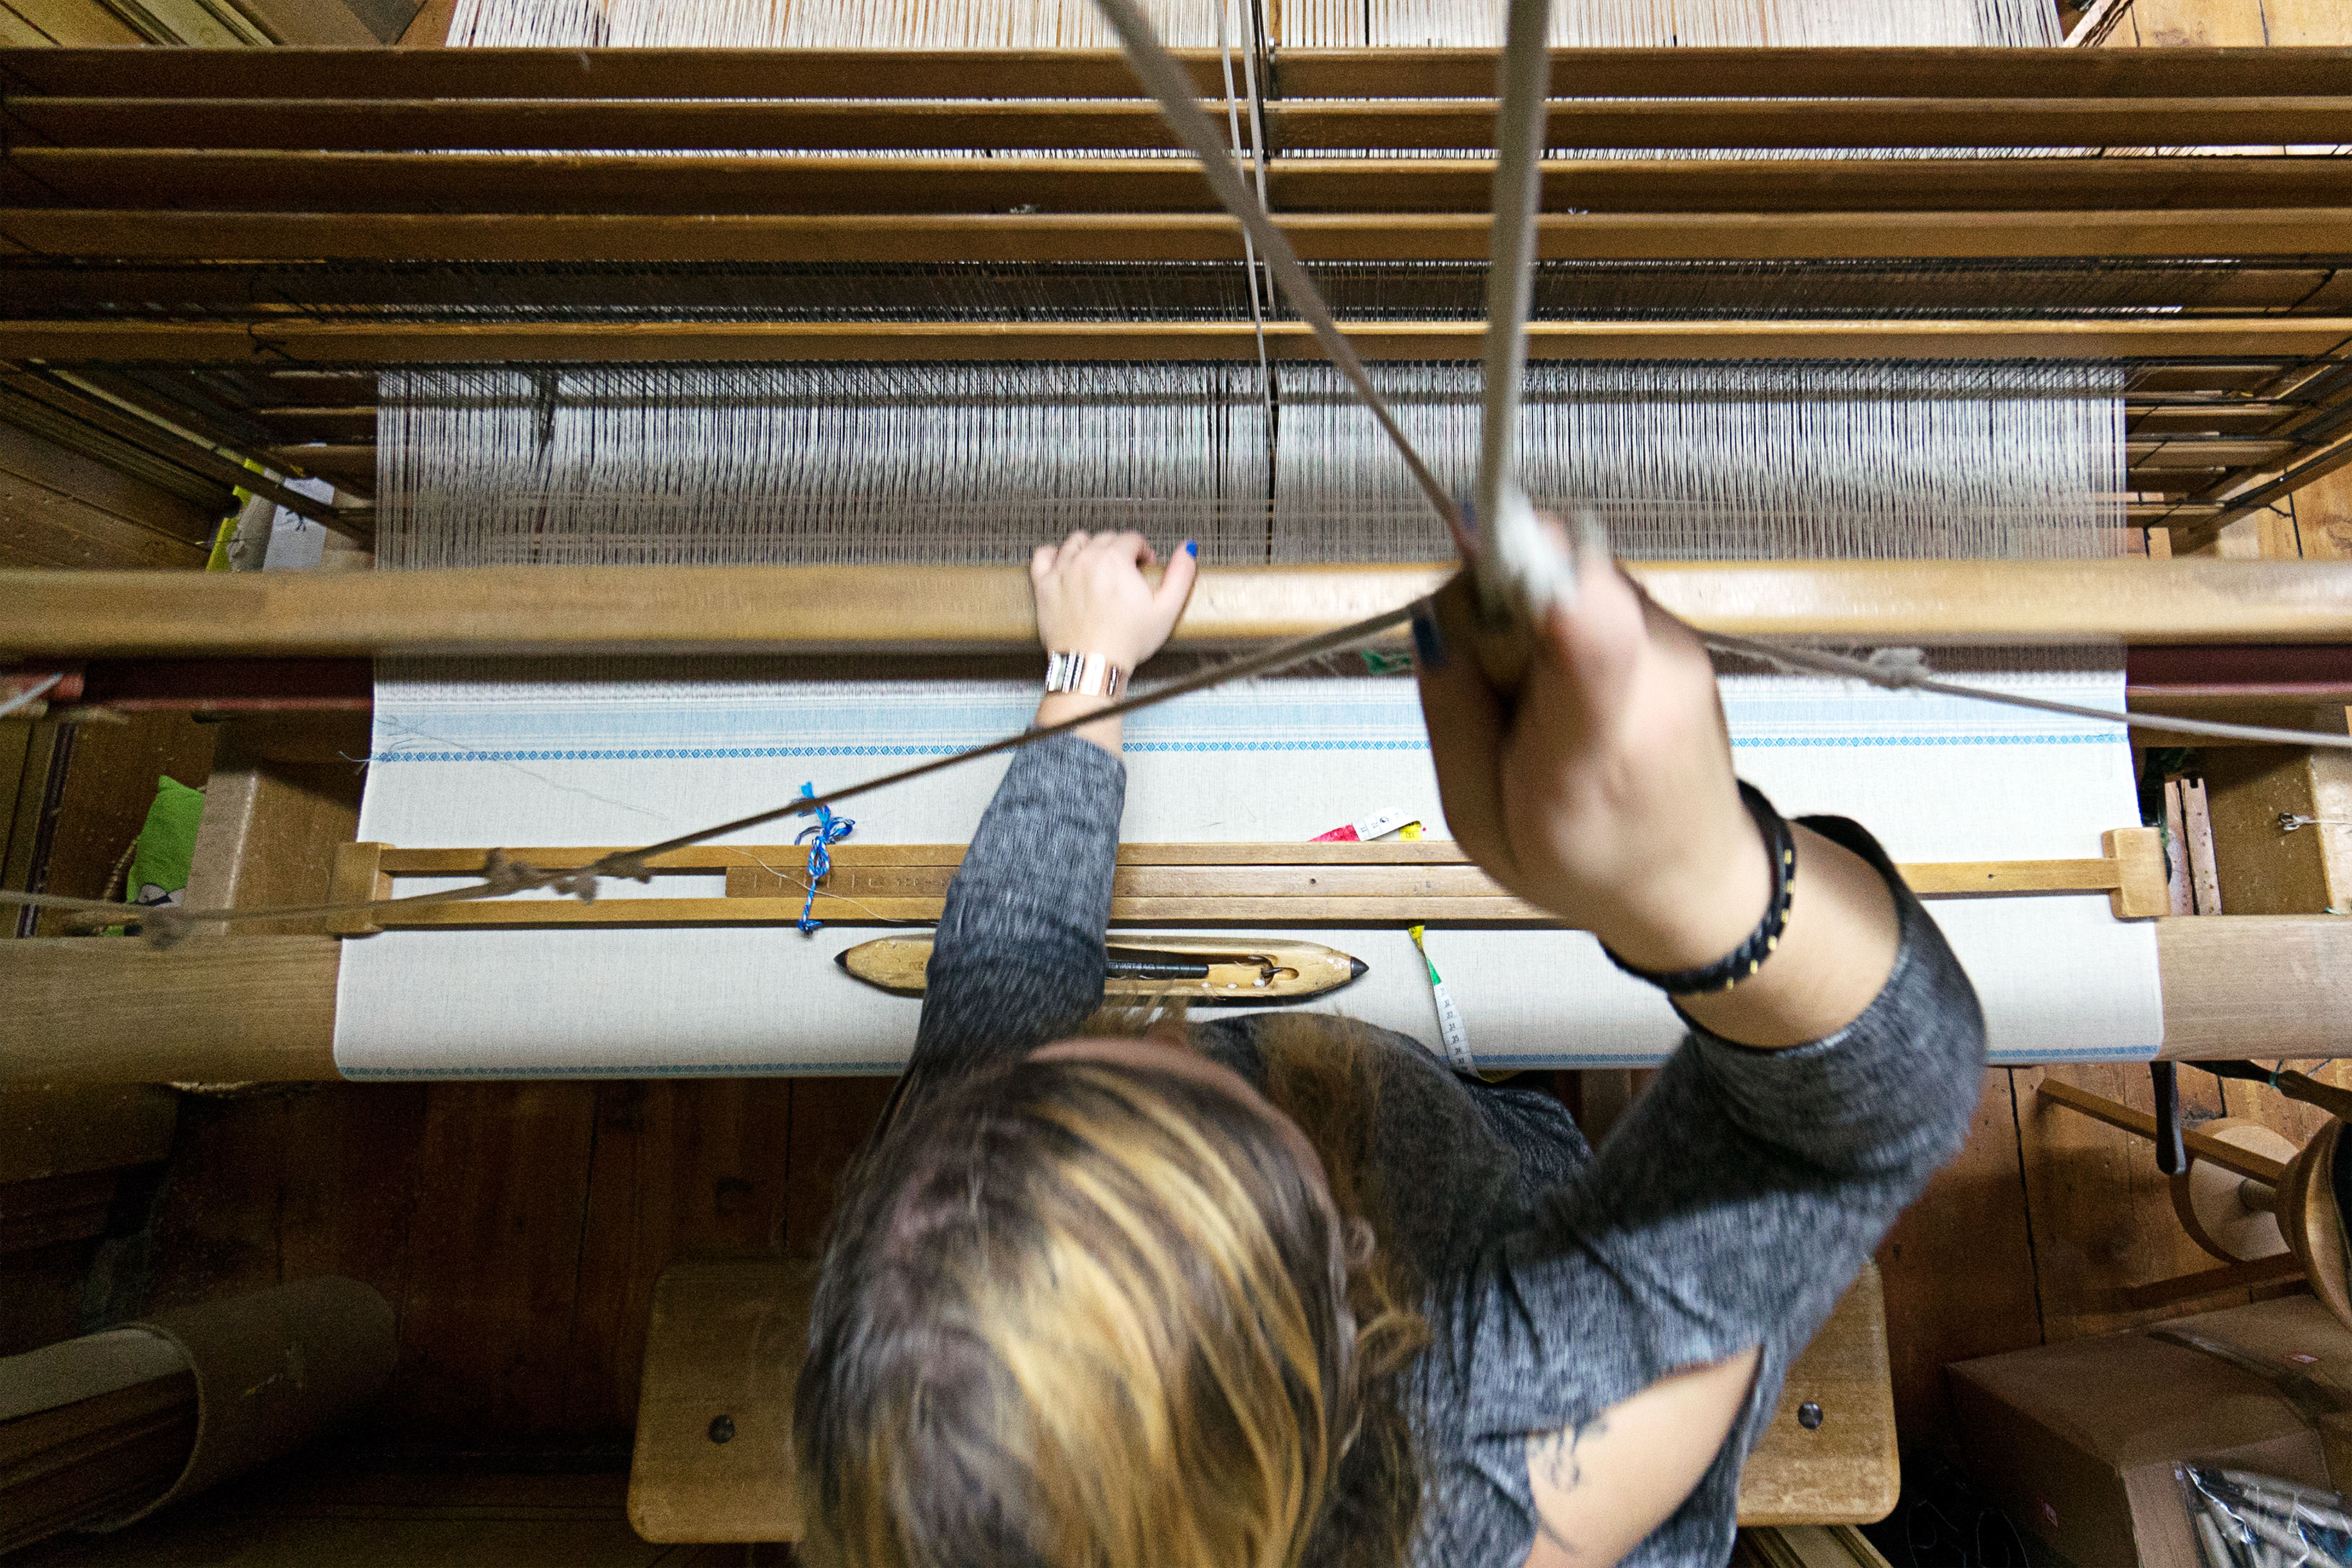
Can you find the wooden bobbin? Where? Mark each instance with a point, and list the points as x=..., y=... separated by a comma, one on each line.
x=2232, y=1216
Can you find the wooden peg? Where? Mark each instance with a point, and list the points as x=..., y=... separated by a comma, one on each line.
x=357, y=877
x=2139, y=853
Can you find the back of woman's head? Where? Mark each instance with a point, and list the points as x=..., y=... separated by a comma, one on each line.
x=1077, y=1313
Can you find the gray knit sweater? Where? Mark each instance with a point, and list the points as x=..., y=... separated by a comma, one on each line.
x=1731, y=1206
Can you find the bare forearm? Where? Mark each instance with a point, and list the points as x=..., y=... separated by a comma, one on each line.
x=1833, y=961
x=1060, y=707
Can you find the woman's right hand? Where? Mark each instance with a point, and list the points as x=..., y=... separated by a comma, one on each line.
x=1602, y=790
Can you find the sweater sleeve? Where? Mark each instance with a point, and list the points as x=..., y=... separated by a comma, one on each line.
x=1018, y=958
x=1729, y=1210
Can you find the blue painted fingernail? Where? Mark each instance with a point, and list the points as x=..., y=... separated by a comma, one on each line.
x=1469, y=515
x=1428, y=641
x=1192, y=547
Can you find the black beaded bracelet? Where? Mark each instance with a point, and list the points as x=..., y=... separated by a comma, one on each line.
x=1748, y=957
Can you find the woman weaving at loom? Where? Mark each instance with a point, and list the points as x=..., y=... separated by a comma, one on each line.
x=1282, y=1289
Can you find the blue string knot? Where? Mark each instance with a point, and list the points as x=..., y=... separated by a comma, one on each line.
x=828, y=832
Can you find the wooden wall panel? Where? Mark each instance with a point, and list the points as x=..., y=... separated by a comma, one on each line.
x=356, y=1150
x=831, y=1119
x=692, y=1169
x=2323, y=518
x=1957, y=1270
x=73, y=23
x=2209, y=24
x=493, y=1261
x=2306, y=22
x=65, y=510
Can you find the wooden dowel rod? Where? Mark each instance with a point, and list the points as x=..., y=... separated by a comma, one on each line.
x=1929, y=878
x=2205, y=1282
x=2204, y=1145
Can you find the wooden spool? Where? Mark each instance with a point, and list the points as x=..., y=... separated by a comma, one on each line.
x=2232, y=1215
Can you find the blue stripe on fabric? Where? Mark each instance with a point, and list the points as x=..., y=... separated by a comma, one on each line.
x=697, y=753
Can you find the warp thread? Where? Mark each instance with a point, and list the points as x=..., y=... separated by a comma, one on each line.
x=828, y=830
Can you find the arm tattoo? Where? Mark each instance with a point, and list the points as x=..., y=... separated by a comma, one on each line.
x=1555, y=1453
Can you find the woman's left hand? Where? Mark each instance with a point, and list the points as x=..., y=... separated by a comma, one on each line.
x=1092, y=597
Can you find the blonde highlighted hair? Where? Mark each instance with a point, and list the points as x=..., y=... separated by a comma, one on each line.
x=1078, y=1313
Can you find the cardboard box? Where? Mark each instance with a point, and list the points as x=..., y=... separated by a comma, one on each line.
x=2077, y=1441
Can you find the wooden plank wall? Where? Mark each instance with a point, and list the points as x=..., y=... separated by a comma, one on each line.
x=516, y=1227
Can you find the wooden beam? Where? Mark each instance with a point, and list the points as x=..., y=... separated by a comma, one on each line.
x=1867, y=72
x=1793, y=122
x=85, y=1009
x=1122, y=237
x=559, y=610
x=671, y=73
x=273, y=181
x=621, y=73
x=2270, y=986
x=232, y=1009
x=396, y=342
x=1078, y=124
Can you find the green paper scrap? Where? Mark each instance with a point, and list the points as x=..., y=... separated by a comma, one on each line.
x=167, y=844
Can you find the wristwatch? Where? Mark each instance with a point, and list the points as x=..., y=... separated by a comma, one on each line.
x=1090, y=674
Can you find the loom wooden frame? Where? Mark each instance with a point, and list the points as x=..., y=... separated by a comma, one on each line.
x=526, y=610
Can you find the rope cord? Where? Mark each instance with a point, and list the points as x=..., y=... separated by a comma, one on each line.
x=1166, y=80
x=827, y=832
x=1520, y=572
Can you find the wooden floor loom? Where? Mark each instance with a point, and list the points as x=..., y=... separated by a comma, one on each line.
x=322, y=176
x=308, y=217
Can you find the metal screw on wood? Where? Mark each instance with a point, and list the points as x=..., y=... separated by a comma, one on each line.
x=722, y=1428
x=1809, y=1415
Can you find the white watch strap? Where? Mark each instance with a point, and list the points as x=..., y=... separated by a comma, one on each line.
x=1089, y=674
